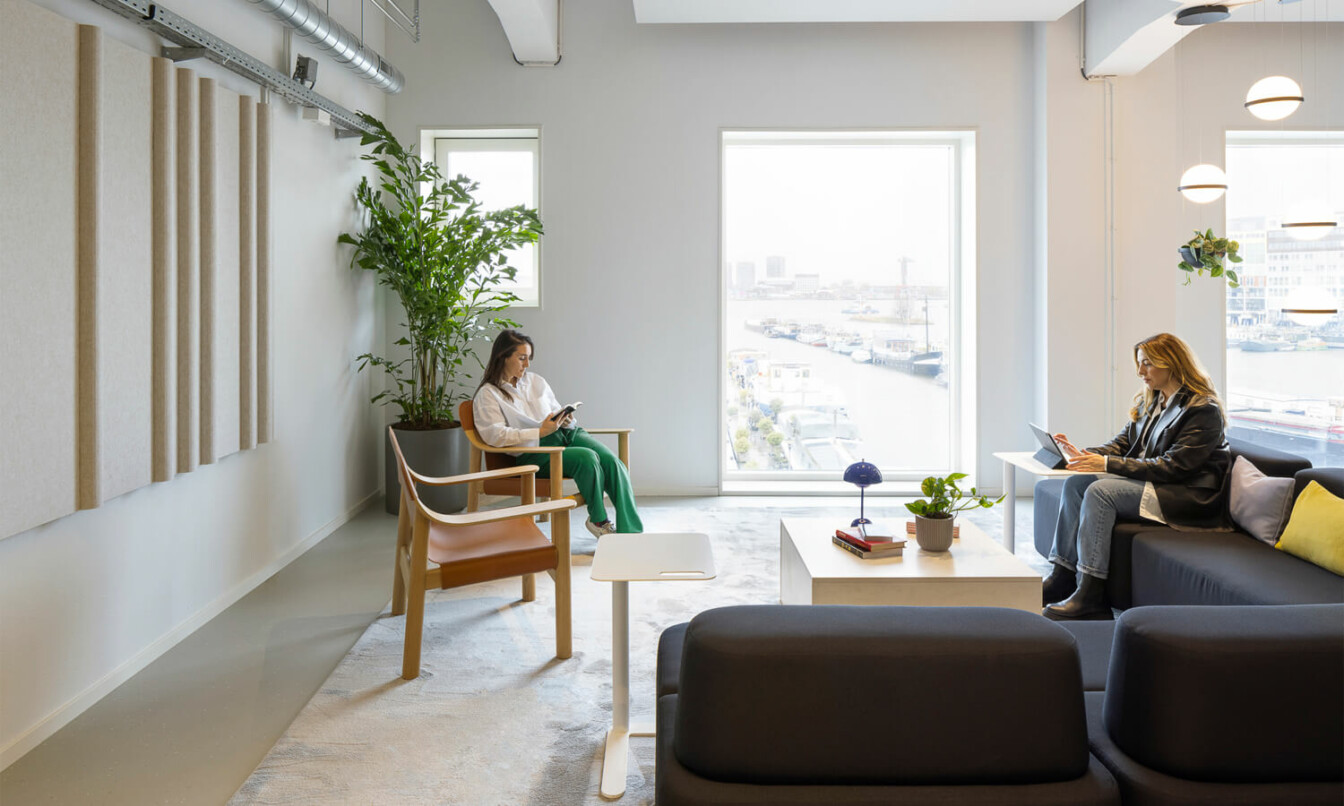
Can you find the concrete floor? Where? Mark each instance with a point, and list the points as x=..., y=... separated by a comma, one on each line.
x=191, y=727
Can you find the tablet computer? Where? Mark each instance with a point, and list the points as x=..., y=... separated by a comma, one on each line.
x=1049, y=454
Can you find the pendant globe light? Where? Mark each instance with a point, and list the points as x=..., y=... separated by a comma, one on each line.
x=1274, y=98
x=1309, y=222
x=1203, y=183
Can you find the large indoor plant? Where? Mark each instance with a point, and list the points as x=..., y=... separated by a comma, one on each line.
x=1205, y=251
x=428, y=240
x=935, y=518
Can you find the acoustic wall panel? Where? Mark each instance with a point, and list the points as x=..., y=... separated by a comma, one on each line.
x=88, y=120
x=164, y=217
x=188, y=272
x=124, y=327
x=265, y=416
x=247, y=277
x=219, y=271
x=37, y=266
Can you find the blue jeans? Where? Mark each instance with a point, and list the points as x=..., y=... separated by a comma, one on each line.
x=1088, y=508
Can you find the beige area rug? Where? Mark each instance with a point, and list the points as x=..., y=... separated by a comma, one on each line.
x=494, y=718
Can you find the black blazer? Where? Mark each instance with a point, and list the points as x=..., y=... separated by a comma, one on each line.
x=1187, y=459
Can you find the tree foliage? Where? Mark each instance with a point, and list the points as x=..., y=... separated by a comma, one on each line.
x=428, y=240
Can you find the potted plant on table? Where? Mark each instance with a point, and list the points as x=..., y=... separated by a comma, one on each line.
x=936, y=517
x=428, y=240
x=1204, y=251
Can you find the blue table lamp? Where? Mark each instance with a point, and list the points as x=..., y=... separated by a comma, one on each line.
x=862, y=474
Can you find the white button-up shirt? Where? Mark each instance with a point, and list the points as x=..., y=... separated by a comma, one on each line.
x=504, y=423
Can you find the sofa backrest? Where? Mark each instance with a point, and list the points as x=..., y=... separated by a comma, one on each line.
x=1331, y=478
x=1233, y=694
x=879, y=695
x=1269, y=461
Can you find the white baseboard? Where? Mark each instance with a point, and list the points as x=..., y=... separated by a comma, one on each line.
x=82, y=701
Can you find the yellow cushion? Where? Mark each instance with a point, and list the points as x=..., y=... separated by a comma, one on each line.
x=1315, y=530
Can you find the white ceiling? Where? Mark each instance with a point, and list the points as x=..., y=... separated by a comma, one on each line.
x=691, y=11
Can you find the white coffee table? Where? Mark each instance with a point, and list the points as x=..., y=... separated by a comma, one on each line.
x=976, y=571
x=621, y=559
x=1012, y=460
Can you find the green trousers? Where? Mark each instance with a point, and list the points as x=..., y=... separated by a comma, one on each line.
x=595, y=470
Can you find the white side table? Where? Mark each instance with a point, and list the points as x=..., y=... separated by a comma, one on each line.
x=620, y=560
x=1011, y=462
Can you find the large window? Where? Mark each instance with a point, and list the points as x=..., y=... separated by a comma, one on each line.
x=843, y=292
x=506, y=165
x=1285, y=366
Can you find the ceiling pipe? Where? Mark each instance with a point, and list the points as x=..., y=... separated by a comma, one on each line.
x=317, y=27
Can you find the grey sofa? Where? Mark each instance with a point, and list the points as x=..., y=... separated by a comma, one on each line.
x=845, y=705
x=1153, y=564
x=1218, y=705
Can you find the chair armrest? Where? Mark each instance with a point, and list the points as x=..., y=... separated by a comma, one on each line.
x=502, y=514
x=465, y=478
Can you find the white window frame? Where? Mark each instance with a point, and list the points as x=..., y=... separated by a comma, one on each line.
x=514, y=138
x=962, y=307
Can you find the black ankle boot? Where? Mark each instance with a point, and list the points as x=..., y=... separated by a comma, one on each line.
x=1059, y=585
x=1088, y=602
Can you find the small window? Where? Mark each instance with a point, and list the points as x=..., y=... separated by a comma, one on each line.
x=506, y=164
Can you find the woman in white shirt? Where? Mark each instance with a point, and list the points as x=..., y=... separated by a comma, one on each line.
x=516, y=408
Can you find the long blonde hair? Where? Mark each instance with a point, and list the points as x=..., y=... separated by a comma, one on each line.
x=1166, y=351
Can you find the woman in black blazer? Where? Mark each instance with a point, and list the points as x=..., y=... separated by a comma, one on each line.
x=1172, y=458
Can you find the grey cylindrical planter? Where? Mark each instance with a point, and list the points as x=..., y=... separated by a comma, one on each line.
x=933, y=534
x=441, y=452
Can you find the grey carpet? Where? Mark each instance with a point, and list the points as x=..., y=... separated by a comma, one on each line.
x=494, y=718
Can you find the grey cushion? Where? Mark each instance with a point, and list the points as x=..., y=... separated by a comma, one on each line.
x=1224, y=568
x=1270, y=461
x=1237, y=694
x=937, y=694
x=1141, y=786
x=1259, y=504
x=675, y=785
x=1331, y=478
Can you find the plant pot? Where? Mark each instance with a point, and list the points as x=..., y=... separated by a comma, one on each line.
x=438, y=452
x=1189, y=256
x=934, y=534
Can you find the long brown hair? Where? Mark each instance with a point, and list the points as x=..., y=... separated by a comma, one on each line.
x=1166, y=351
x=505, y=343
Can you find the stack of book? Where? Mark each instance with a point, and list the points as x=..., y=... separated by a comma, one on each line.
x=869, y=541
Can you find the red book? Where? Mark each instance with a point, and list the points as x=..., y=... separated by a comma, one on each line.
x=877, y=543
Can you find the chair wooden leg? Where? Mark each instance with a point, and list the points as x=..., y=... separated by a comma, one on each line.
x=564, y=639
x=415, y=606
x=529, y=587
x=399, y=581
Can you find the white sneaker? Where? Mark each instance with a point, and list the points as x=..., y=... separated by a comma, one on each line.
x=605, y=529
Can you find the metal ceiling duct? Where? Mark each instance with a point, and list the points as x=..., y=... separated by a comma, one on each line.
x=317, y=27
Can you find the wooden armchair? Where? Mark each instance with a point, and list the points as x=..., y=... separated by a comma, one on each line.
x=475, y=547
x=495, y=458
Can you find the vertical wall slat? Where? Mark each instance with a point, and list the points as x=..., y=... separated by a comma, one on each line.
x=247, y=367
x=208, y=259
x=125, y=312
x=188, y=271
x=265, y=418
x=224, y=305
x=88, y=121
x=165, y=273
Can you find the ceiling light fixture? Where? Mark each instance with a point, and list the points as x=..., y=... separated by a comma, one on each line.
x=1274, y=98
x=1203, y=183
x=1202, y=15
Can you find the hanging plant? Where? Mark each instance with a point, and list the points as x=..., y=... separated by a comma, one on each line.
x=1204, y=251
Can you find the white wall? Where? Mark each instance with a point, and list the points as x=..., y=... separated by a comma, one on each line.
x=630, y=196
x=630, y=189
x=87, y=600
